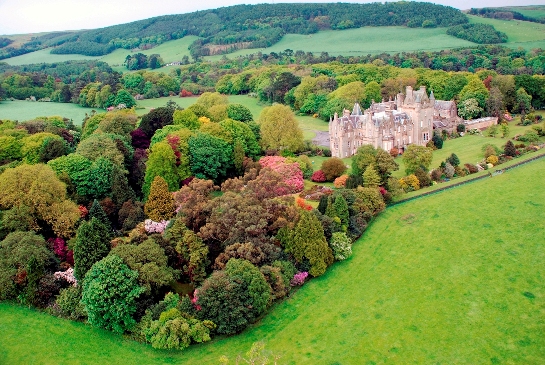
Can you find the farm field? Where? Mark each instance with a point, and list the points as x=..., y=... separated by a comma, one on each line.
x=43, y=56
x=25, y=110
x=363, y=41
x=523, y=34
x=456, y=277
x=536, y=11
x=170, y=51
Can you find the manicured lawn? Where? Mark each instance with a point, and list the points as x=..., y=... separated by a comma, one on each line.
x=468, y=148
x=25, y=110
x=454, y=278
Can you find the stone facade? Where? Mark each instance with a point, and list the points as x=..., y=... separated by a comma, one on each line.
x=410, y=118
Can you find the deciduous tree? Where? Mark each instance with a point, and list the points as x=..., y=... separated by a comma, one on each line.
x=110, y=290
x=279, y=129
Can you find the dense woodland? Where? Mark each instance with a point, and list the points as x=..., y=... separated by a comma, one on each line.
x=247, y=26
x=102, y=223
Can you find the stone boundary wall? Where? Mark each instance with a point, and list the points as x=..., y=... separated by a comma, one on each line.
x=497, y=172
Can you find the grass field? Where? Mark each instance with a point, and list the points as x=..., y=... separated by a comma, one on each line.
x=527, y=35
x=170, y=51
x=536, y=11
x=454, y=278
x=363, y=41
x=24, y=110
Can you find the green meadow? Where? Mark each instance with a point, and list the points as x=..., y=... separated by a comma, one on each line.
x=25, y=110
x=536, y=11
x=453, y=278
x=523, y=34
x=363, y=41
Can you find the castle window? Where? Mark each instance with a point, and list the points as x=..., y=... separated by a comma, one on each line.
x=426, y=136
x=421, y=123
x=348, y=143
x=410, y=139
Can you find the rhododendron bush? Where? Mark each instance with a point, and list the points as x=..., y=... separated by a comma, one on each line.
x=299, y=278
x=290, y=171
x=155, y=227
x=67, y=276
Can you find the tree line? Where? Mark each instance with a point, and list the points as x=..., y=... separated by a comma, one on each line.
x=504, y=14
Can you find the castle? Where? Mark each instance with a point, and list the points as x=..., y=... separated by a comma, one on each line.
x=410, y=118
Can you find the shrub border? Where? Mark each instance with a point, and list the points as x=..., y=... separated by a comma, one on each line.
x=496, y=172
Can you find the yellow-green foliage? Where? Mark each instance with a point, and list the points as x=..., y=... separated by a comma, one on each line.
x=493, y=159
x=160, y=204
x=33, y=144
x=38, y=188
x=279, y=129
x=409, y=183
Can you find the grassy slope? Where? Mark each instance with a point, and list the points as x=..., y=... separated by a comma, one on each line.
x=536, y=11
x=362, y=41
x=170, y=51
x=453, y=278
x=24, y=110
x=527, y=35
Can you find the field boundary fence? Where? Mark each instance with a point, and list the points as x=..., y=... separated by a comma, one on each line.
x=490, y=174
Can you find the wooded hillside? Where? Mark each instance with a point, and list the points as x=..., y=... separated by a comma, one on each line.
x=255, y=25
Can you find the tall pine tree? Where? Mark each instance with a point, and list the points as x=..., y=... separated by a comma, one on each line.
x=92, y=244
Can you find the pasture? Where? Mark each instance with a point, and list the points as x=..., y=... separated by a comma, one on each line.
x=523, y=34
x=457, y=277
x=363, y=41
x=535, y=11
x=170, y=51
x=25, y=110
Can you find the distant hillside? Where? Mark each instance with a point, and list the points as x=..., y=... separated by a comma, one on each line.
x=529, y=14
x=241, y=26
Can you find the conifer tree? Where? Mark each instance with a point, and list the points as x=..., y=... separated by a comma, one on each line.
x=341, y=209
x=161, y=162
x=307, y=241
x=509, y=149
x=160, y=204
x=371, y=177
x=97, y=212
x=92, y=244
x=453, y=160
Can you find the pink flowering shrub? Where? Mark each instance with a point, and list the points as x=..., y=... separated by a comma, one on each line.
x=155, y=227
x=299, y=278
x=67, y=276
x=195, y=299
x=60, y=248
x=290, y=171
x=318, y=176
